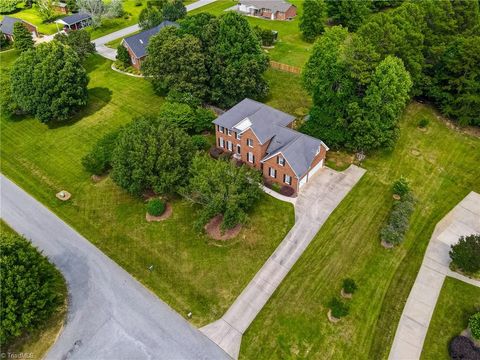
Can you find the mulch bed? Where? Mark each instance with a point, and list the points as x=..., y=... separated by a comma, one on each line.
x=386, y=245
x=97, y=178
x=332, y=318
x=63, y=195
x=213, y=229
x=166, y=214
x=345, y=295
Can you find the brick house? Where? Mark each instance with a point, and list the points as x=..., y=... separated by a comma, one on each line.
x=137, y=44
x=261, y=137
x=268, y=9
x=60, y=7
x=7, y=23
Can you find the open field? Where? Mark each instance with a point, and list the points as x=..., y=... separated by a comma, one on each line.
x=456, y=303
x=38, y=342
x=290, y=49
x=190, y=272
x=294, y=323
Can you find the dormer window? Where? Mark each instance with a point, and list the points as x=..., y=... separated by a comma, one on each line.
x=280, y=160
x=318, y=151
x=238, y=136
x=250, y=142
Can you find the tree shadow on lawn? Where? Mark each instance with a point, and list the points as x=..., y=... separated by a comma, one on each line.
x=98, y=97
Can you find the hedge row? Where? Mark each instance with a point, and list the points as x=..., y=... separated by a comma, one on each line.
x=394, y=231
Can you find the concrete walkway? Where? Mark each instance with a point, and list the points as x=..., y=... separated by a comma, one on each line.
x=276, y=195
x=464, y=219
x=314, y=205
x=111, y=54
x=110, y=314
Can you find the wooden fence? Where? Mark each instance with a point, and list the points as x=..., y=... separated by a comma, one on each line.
x=285, y=67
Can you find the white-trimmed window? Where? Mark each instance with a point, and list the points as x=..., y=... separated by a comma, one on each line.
x=239, y=148
x=250, y=157
x=222, y=129
x=221, y=142
x=238, y=136
x=280, y=160
x=250, y=142
x=272, y=172
x=229, y=132
x=318, y=151
x=287, y=179
x=229, y=146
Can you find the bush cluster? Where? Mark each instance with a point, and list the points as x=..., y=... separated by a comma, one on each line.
x=462, y=348
x=401, y=187
x=200, y=142
x=156, y=207
x=423, y=123
x=98, y=160
x=338, y=308
x=397, y=225
x=349, y=286
x=474, y=325
x=465, y=254
x=265, y=36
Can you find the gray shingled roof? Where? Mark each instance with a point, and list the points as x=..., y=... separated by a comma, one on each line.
x=274, y=5
x=73, y=19
x=138, y=42
x=267, y=123
x=262, y=117
x=6, y=25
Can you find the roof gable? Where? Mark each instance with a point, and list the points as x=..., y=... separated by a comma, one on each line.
x=138, y=43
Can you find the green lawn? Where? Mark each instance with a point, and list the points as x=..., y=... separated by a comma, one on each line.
x=38, y=341
x=456, y=303
x=191, y=272
x=294, y=323
x=290, y=47
x=31, y=15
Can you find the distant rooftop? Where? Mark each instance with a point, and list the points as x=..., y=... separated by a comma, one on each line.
x=274, y=5
x=73, y=19
x=7, y=23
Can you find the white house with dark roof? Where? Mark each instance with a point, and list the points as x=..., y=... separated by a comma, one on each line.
x=262, y=137
x=137, y=44
x=268, y=9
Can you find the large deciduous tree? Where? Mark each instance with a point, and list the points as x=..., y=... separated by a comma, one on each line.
x=79, y=41
x=220, y=187
x=349, y=13
x=150, y=17
x=28, y=286
x=23, y=37
x=95, y=8
x=313, y=19
x=238, y=62
x=176, y=62
x=151, y=154
x=49, y=82
x=174, y=10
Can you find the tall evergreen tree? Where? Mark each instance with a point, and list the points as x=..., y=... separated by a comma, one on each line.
x=23, y=38
x=313, y=19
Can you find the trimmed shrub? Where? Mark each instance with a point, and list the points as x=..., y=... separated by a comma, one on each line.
x=401, y=187
x=338, y=308
x=462, y=348
x=123, y=56
x=349, y=286
x=465, y=254
x=287, y=190
x=200, y=142
x=215, y=152
x=394, y=231
x=98, y=161
x=156, y=207
x=423, y=123
x=474, y=325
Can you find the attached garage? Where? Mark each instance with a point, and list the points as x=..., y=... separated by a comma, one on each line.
x=312, y=172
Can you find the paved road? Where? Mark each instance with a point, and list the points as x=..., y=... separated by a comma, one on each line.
x=315, y=203
x=464, y=219
x=110, y=314
x=111, y=54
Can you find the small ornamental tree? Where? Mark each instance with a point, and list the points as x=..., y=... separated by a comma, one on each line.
x=45, y=9
x=465, y=254
x=338, y=308
x=474, y=325
x=123, y=56
x=394, y=231
x=349, y=286
x=401, y=187
x=99, y=159
x=50, y=82
x=79, y=41
x=155, y=207
x=23, y=37
x=29, y=287
x=220, y=187
x=152, y=154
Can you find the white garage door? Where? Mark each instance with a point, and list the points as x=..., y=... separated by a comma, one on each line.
x=303, y=181
x=315, y=169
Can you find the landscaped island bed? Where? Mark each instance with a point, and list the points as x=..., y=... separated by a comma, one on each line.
x=191, y=272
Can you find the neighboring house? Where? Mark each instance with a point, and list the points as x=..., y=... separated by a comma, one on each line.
x=60, y=7
x=75, y=22
x=269, y=9
x=137, y=44
x=261, y=137
x=7, y=23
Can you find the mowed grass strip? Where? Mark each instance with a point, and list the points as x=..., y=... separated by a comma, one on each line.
x=456, y=303
x=190, y=272
x=290, y=48
x=442, y=166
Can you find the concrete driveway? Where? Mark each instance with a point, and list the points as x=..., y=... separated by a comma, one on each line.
x=316, y=201
x=412, y=329
x=110, y=314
